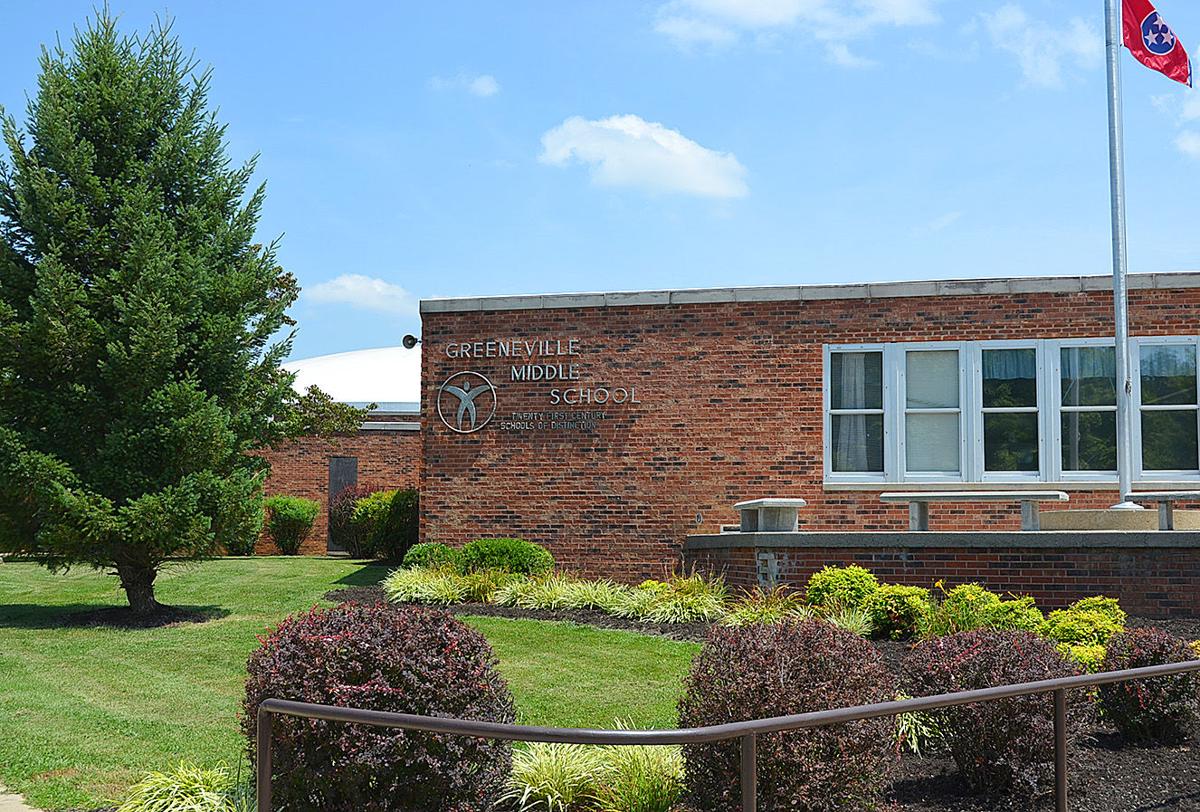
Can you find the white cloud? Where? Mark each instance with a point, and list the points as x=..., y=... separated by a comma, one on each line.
x=629, y=151
x=1183, y=106
x=1188, y=142
x=719, y=22
x=943, y=222
x=483, y=84
x=1044, y=49
x=365, y=293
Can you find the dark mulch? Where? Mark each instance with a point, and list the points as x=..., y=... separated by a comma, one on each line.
x=1106, y=775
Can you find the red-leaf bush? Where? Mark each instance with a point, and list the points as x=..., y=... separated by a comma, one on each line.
x=761, y=670
x=1004, y=745
x=410, y=660
x=1152, y=711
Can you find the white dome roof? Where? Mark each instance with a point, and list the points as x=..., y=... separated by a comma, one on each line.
x=388, y=375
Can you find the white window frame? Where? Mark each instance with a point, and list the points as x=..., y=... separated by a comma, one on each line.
x=1135, y=370
x=900, y=365
x=978, y=473
x=1050, y=411
x=826, y=407
x=1053, y=351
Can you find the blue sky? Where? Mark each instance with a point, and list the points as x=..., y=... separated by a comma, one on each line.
x=451, y=149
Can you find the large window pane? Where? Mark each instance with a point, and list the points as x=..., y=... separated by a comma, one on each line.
x=857, y=443
x=1089, y=441
x=1168, y=374
x=1009, y=379
x=932, y=379
x=1010, y=441
x=1089, y=376
x=856, y=380
x=1169, y=440
x=931, y=443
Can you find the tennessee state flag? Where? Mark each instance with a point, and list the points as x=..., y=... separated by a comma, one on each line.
x=1153, y=43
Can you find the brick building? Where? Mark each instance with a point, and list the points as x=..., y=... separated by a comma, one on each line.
x=611, y=427
x=386, y=449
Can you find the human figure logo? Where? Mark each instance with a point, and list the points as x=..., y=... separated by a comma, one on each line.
x=463, y=402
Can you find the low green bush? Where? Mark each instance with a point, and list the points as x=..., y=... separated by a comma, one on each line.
x=896, y=611
x=968, y=607
x=188, y=788
x=1163, y=710
x=766, y=606
x=1016, y=615
x=433, y=555
x=849, y=586
x=1087, y=627
x=510, y=555
x=290, y=520
x=399, y=528
x=1089, y=657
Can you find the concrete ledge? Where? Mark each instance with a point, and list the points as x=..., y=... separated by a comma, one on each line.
x=775, y=293
x=932, y=539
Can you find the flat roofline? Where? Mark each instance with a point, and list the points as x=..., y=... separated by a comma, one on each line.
x=807, y=293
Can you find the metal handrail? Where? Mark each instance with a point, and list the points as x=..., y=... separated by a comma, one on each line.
x=746, y=731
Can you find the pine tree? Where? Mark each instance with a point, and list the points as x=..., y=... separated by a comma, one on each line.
x=139, y=319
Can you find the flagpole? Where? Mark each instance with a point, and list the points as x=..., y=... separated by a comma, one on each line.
x=1116, y=160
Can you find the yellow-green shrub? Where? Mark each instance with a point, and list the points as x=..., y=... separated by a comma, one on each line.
x=849, y=586
x=896, y=611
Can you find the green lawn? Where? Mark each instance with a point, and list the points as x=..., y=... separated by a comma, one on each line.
x=86, y=711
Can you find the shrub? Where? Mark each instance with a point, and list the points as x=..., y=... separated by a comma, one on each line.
x=189, y=788
x=1159, y=710
x=439, y=587
x=1109, y=607
x=849, y=586
x=968, y=607
x=433, y=555
x=780, y=669
x=1089, y=657
x=368, y=518
x=896, y=611
x=482, y=586
x=240, y=531
x=1016, y=615
x=766, y=606
x=639, y=778
x=343, y=532
x=1195, y=647
x=400, y=526
x=509, y=555
x=554, y=777
x=290, y=520
x=1088, y=627
x=1001, y=745
x=413, y=660
x=676, y=600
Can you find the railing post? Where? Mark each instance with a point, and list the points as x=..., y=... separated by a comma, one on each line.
x=1060, y=750
x=749, y=773
x=263, y=760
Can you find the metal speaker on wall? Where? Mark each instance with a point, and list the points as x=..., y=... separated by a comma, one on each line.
x=410, y=341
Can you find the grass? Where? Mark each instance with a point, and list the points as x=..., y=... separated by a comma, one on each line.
x=87, y=711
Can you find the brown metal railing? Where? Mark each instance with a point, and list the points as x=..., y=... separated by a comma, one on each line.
x=747, y=732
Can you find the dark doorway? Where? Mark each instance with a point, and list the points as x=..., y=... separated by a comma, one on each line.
x=343, y=472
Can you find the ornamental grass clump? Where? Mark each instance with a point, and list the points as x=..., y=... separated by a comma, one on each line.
x=603, y=595
x=411, y=660
x=188, y=788
x=847, y=586
x=763, y=670
x=546, y=592
x=1163, y=710
x=897, y=611
x=1004, y=745
x=553, y=777
x=640, y=778
x=766, y=606
x=678, y=599
x=437, y=587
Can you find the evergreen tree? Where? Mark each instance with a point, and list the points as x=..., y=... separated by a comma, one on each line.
x=138, y=316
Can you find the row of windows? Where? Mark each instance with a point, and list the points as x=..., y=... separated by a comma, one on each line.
x=1008, y=410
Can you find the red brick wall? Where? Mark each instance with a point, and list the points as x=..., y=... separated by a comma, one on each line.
x=301, y=468
x=731, y=409
x=1149, y=581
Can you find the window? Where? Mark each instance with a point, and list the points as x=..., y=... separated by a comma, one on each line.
x=856, y=412
x=932, y=412
x=1088, y=438
x=1167, y=377
x=1009, y=411
x=1011, y=440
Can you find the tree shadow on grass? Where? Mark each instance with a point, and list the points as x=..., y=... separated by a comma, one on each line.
x=83, y=615
x=366, y=575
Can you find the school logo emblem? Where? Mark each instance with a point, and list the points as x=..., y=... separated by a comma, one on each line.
x=466, y=402
x=1158, y=36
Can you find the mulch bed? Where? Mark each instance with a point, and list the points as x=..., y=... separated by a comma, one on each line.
x=1106, y=775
